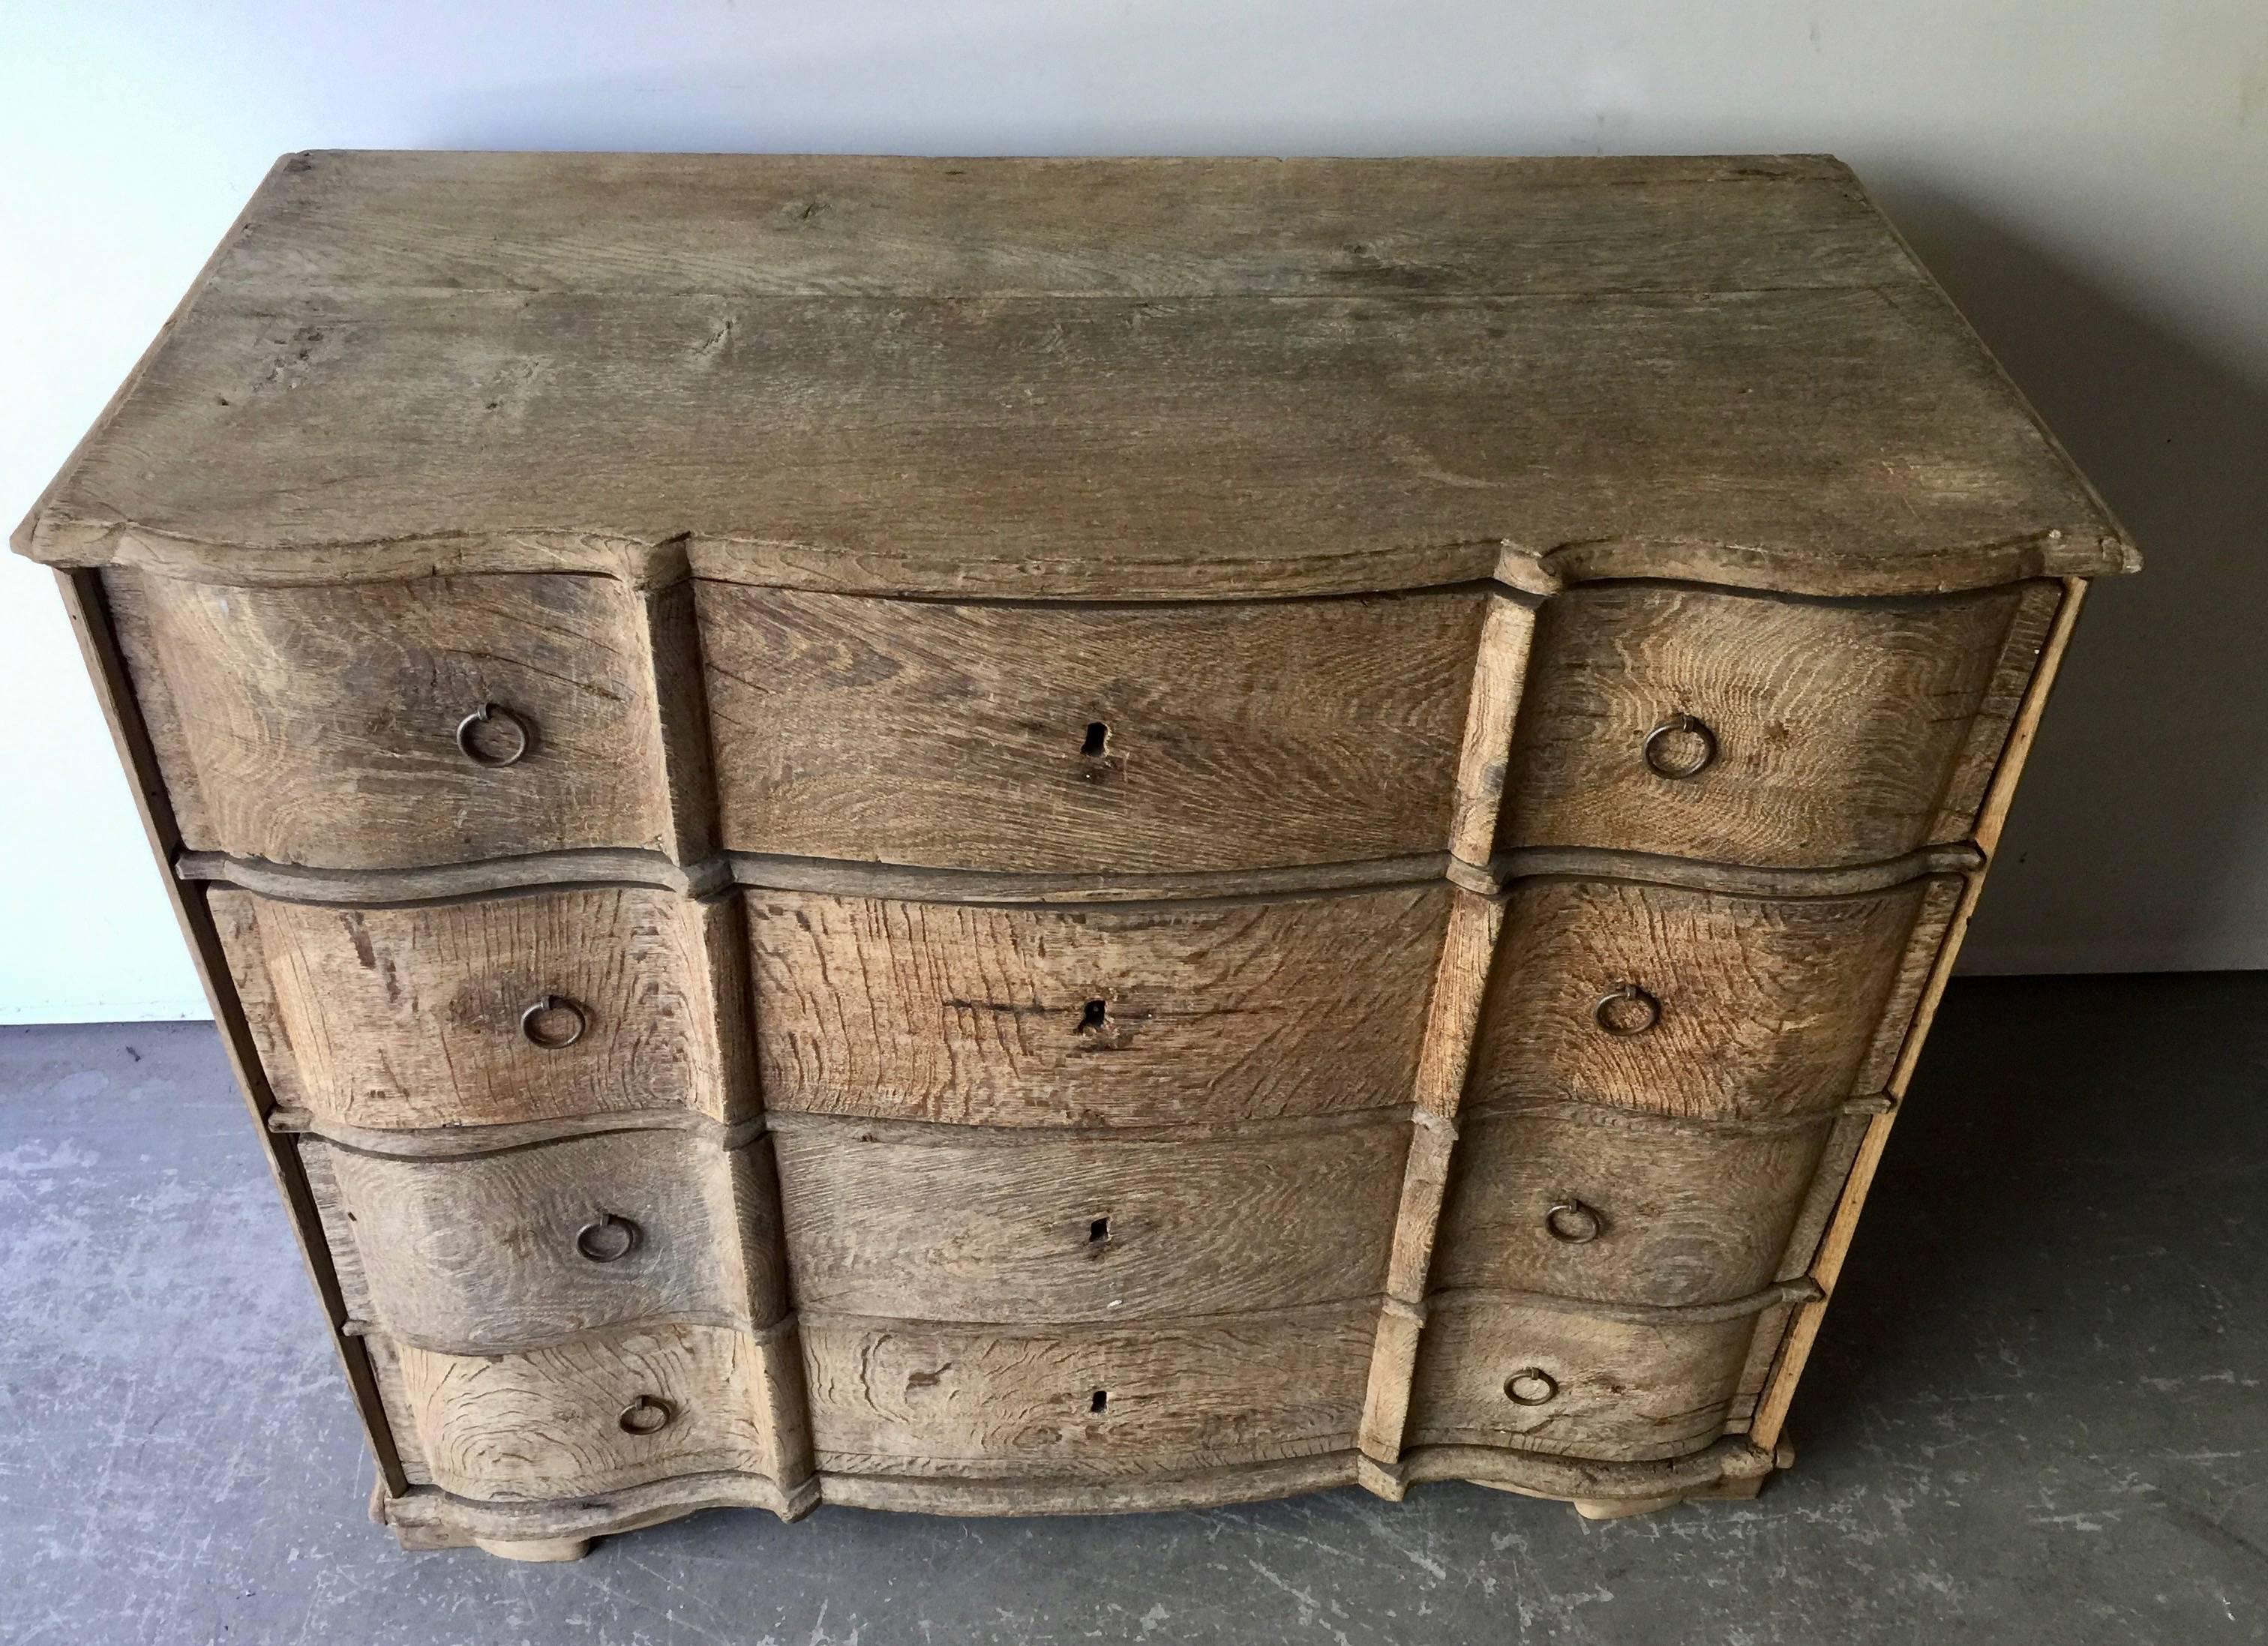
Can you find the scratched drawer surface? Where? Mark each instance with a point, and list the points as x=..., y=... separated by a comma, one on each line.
x=390, y=725
x=1086, y=739
x=938, y=1223
x=1608, y=1207
x=600, y=1413
x=542, y=1005
x=1751, y=729
x=524, y=1246
x=1702, y=1004
x=1097, y=1402
x=1537, y=1377
x=1196, y=1010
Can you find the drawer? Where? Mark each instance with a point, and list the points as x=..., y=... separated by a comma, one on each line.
x=1086, y=1403
x=1086, y=739
x=1534, y=1379
x=1605, y=1207
x=390, y=725
x=1744, y=1006
x=1833, y=733
x=497, y=1252
x=933, y=1223
x=600, y=1414
x=1091, y=1016
x=532, y=1006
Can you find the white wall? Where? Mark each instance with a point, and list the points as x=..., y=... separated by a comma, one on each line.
x=2090, y=178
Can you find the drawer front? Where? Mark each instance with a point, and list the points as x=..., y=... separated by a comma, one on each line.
x=343, y=727
x=613, y=1410
x=929, y=1223
x=507, y=1251
x=1745, y=1007
x=1836, y=733
x=1532, y=1379
x=1091, y=1403
x=532, y=1006
x=1583, y=1208
x=1086, y=739
x=1092, y=1016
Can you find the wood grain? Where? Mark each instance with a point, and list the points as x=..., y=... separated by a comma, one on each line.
x=546, y=1424
x=1624, y=1391
x=410, y=1016
x=1500, y=675
x=1209, y=1011
x=1767, y=1005
x=1076, y=410
x=895, y=1398
x=1039, y=738
x=927, y=1223
x=318, y=725
x=1679, y=1219
x=1827, y=1267
x=480, y=1255
x=1837, y=725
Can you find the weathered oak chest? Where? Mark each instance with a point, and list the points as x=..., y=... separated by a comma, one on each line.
x=1013, y=835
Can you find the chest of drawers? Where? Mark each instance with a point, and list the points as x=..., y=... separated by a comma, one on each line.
x=1004, y=836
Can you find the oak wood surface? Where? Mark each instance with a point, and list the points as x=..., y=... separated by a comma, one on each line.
x=1037, y=738
x=1837, y=725
x=411, y=1015
x=319, y=726
x=502, y=1252
x=1827, y=1267
x=547, y=1424
x=1120, y=378
x=1208, y=1011
x=1763, y=1006
x=1177, y=933
x=1603, y=1208
x=904, y=1398
x=942, y=1222
x=1618, y=1390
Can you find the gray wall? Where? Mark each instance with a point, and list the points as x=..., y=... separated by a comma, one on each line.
x=2089, y=180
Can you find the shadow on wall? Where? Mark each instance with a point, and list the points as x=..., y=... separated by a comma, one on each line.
x=2140, y=835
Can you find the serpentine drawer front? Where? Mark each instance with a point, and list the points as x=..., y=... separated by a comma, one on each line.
x=1007, y=836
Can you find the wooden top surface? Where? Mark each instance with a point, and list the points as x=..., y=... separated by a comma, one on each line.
x=1110, y=378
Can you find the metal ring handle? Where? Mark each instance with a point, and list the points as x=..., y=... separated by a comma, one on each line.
x=1572, y=1224
x=608, y=1238
x=553, y=1042
x=1626, y=994
x=648, y=1415
x=1676, y=725
x=1531, y=1385
x=480, y=716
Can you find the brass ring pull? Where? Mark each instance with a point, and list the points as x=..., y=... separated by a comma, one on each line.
x=1679, y=725
x=1531, y=1385
x=648, y=1415
x=553, y=1005
x=1626, y=1010
x=1572, y=1224
x=489, y=714
x=609, y=1238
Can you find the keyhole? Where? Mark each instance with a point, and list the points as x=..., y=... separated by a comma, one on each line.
x=1091, y=1016
x=1099, y=1402
x=1098, y=740
x=1098, y=1231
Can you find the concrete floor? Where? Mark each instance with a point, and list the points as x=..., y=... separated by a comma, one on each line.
x=2038, y=1413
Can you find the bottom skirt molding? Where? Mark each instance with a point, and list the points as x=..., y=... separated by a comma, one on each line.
x=425, y=1517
